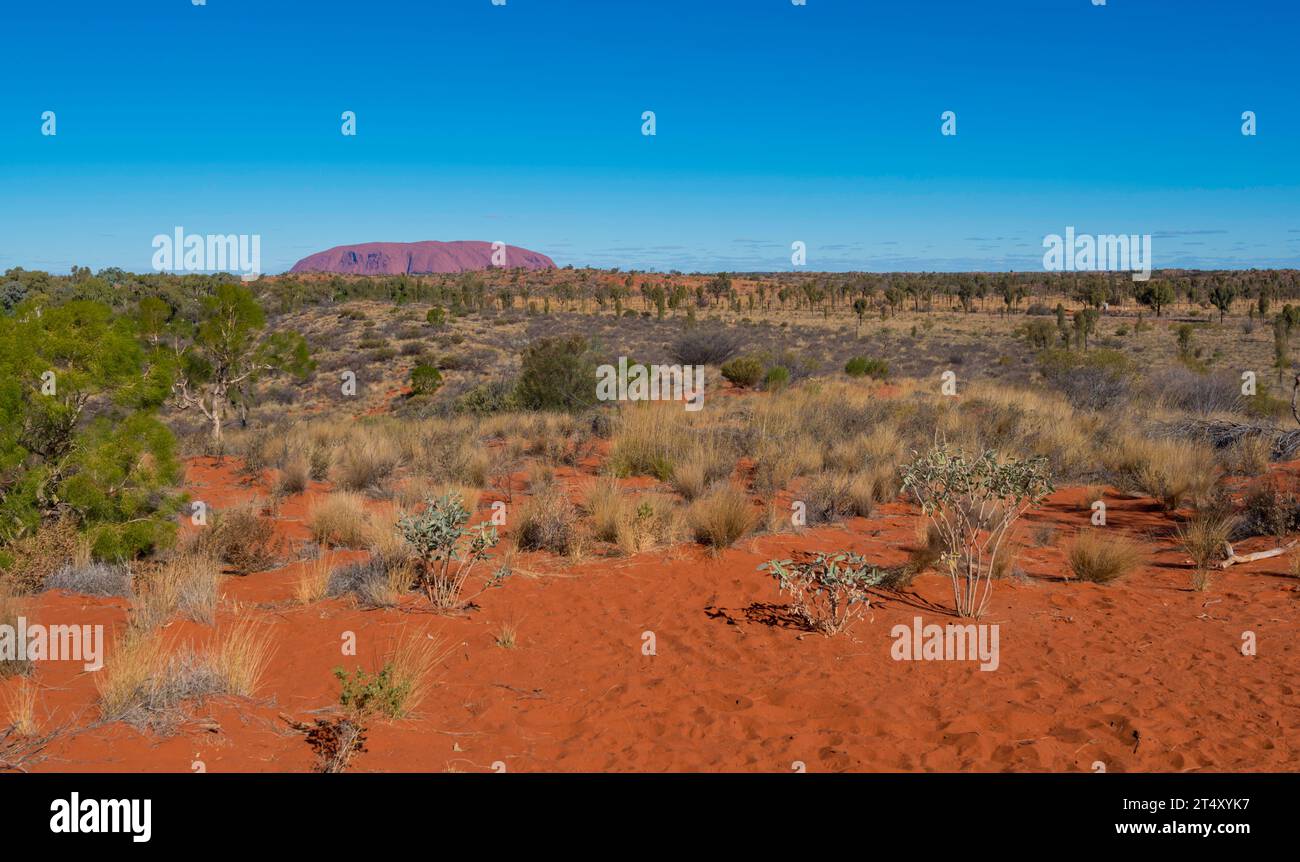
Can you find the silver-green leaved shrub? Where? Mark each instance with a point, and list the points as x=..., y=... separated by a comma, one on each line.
x=827, y=591
x=446, y=551
x=973, y=501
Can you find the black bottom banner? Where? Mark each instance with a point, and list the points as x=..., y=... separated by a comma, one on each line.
x=535, y=811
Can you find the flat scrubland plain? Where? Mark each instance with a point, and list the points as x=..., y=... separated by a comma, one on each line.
x=420, y=543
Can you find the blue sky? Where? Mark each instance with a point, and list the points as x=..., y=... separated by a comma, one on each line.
x=775, y=123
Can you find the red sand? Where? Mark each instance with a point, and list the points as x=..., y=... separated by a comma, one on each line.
x=1141, y=675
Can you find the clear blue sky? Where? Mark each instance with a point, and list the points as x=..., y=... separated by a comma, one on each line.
x=776, y=123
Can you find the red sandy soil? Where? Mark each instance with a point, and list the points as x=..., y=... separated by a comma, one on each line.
x=1142, y=675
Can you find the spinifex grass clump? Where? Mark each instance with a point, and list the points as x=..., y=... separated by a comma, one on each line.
x=1205, y=538
x=446, y=551
x=827, y=591
x=972, y=503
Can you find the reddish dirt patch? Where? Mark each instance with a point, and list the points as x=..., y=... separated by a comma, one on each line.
x=1141, y=675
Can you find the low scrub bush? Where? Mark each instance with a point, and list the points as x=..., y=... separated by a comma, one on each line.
x=1090, y=379
x=744, y=371
x=862, y=366
x=827, y=591
x=557, y=374
x=425, y=380
x=244, y=539
x=92, y=579
x=446, y=551
x=705, y=346
x=777, y=377
x=1268, y=509
x=547, y=523
x=974, y=502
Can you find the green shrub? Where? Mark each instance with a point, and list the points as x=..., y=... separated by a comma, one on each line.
x=743, y=371
x=365, y=693
x=973, y=502
x=446, y=550
x=1040, y=334
x=1093, y=379
x=861, y=366
x=492, y=397
x=78, y=438
x=557, y=374
x=777, y=377
x=827, y=591
x=425, y=380
x=437, y=316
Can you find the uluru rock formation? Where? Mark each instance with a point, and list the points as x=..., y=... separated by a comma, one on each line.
x=396, y=258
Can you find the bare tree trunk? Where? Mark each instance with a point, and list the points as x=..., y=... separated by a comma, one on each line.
x=218, y=404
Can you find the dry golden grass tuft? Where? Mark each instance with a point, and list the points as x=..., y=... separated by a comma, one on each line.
x=721, y=517
x=605, y=507
x=313, y=581
x=11, y=608
x=144, y=683
x=540, y=478
x=412, y=664
x=1249, y=456
x=648, y=521
x=548, y=522
x=20, y=709
x=1091, y=494
x=834, y=494
x=136, y=662
x=341, y=520
x=295, y=474
x=369, y=458
x=929, y=550
x=241, y=655
x=1174, y=472
x=1102, y=559
x=651, y=438
x=507, y=636
x=187, y=583
x=1205, y=539
x=704, y=464
x=774, y=467
x=633, y=522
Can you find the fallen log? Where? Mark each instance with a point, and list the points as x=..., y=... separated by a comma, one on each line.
x=1234, y=558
